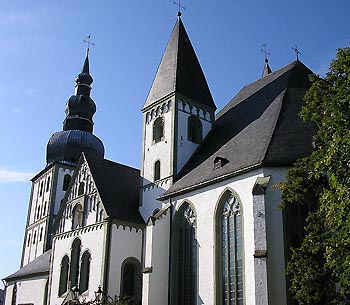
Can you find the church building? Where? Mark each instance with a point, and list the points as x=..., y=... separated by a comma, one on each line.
x=199, y=223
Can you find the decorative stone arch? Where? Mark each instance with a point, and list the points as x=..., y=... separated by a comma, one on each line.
x=229, y=234
x=81, y=188
x=184, y=263
x=64, y=272
x=78, y=213
x=131, y=279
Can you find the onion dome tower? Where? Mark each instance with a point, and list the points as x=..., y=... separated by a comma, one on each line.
x=66, y=146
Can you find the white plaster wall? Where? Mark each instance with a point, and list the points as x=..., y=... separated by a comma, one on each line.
x=32, y=291
x=155, y=290
x=125, y=242
x=8, y=294
x=158, y=151
x=147, y=263
x=149, y=195
x=92, y=239
x=185, y=147
x=275, y=239
x=205, y=201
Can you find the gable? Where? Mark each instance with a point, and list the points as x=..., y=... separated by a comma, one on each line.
x=260, y=125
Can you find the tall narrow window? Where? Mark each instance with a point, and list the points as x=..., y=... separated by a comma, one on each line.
x=158, y=130
x=48, y=183
x=41, y=234
x=157, y=170
x=75, y=256
x=41, y=188
x=185, y=257
x=66, y=181
x=131, y=279
x=28, y=240
x=195, y=133
x=34, y=238
x=230, y=254
x=81, y=188
x=63, y=275
x=85, y=272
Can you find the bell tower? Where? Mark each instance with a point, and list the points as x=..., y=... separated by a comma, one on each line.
x=63, y=152
x=177, y=115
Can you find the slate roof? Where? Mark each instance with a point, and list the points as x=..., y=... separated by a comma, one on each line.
x=118, y=186
x=259, y=126
x=179, y=71
x=39, y=266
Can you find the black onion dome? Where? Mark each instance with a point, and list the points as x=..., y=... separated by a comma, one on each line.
x=66, y=146
x=84, y=78
x=80, y=105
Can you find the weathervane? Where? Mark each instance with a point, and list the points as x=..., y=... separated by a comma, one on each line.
x=180, y=7
x=87, y=40
x=265, y=52
x=297, y=52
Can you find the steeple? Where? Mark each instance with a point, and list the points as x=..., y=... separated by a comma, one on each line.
x=80, y=107
x=267, y=70
x=66, y=146
x=180, y=72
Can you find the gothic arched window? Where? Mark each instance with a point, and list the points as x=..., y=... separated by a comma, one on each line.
x=131, y=279
x=230, y=254
x=157, y=170
x=74, y=268
x=63, y=276
x=158, y=130
x=195, y=133
x=85, y=272
x=66, y=181
x=185, y=257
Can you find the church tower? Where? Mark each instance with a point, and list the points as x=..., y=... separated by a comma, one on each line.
x=63, y=152
x=177, y=116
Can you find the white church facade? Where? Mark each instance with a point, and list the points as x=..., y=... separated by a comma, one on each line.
x=199, y=223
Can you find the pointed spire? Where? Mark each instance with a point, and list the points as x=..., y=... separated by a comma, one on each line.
x=267, y=70
x=86, y=64
x=180, y=72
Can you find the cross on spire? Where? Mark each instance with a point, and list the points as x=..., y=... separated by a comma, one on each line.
x=180, y=7
x=87, y=40
x=265, y=52
x=297, y=52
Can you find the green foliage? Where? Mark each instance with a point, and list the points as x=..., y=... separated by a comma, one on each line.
x=319, y=269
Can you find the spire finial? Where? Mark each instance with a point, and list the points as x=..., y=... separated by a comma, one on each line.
x=180, y=7
x=297, y=52
x=87, y=40
x=265, y=52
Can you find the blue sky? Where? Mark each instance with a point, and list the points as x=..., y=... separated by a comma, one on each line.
x=41, y=52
